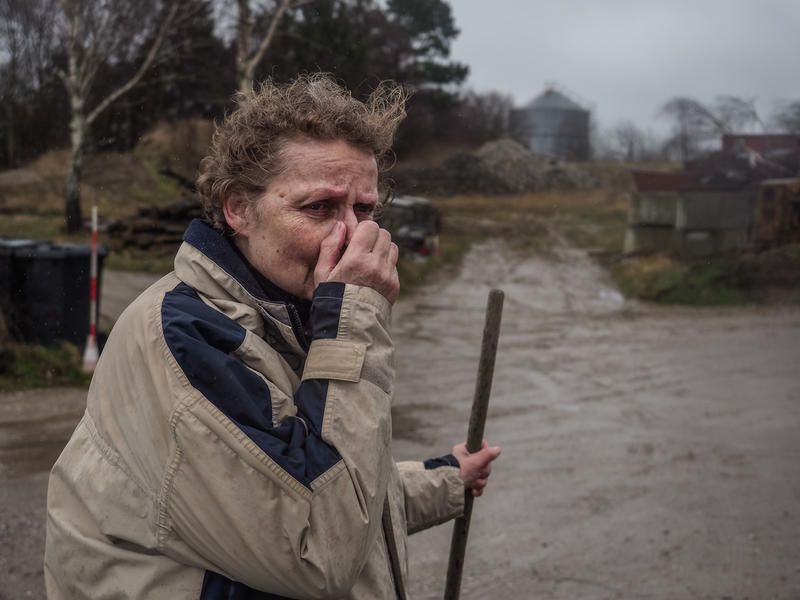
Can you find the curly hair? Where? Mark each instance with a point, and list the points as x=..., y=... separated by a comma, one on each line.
x=246, y=147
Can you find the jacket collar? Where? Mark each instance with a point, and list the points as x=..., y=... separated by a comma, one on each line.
x=209, y=262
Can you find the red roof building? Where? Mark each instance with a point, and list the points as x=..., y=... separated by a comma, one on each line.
x=761, y=143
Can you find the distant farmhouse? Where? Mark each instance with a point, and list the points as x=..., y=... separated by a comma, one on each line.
x=553, y=124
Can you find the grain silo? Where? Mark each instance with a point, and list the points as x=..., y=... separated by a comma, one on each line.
x=557, y=126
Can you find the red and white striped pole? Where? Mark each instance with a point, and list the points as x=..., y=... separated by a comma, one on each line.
x=91, y=354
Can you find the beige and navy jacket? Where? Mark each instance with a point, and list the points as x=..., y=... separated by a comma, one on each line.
x=227, y=453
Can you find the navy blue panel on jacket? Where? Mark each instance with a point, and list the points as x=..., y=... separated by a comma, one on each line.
x=201, y=340
x=226, y=256
x=217, y=587
x=326, y=306
x=448, y=460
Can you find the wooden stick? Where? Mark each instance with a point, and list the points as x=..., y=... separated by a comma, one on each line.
x=477, y=420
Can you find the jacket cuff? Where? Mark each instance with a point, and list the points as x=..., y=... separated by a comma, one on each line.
x=448, y=460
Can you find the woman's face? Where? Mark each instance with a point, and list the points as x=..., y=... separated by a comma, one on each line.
x=323, y=182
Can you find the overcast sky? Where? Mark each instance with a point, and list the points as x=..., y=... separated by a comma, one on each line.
x=625, y=58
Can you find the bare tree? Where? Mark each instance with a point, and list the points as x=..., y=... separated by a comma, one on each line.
x=485, y=116
x=626, y=141
x=94, y=33
x=11, y=78
x=735, y=114
x=787, y=117
x=696, y=123
x=256, y=26
x=629, y=141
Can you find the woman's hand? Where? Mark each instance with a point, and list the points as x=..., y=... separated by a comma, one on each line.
x=370, y=259
x=476, y=467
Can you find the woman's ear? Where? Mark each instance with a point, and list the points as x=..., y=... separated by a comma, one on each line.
x=234, y=207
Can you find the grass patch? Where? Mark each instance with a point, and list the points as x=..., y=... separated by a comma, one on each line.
x=39, y=228
x=452, y=249
x=528, y=223
x=51, y=229
x=125, y=260
x=661, y=279
x=590, y=219
x=161, y=189
x=792, y=252
x=43, y=366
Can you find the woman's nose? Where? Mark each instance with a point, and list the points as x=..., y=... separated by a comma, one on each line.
x=350, y=221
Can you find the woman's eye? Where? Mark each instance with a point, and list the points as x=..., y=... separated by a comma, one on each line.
x=365, y=209
x=315, y=206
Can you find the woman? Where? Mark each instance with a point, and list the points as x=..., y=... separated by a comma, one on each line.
x=237, y=438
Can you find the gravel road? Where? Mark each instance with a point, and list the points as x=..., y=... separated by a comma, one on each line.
x=648, y=452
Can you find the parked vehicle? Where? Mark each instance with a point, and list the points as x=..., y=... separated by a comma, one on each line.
x=415, y=224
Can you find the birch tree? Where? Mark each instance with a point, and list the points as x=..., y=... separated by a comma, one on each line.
x=256, y=26
x=94, y=33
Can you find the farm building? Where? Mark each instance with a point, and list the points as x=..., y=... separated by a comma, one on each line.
x=555, y=125
x=746, y=196
x=675, y=212
x=765, y=144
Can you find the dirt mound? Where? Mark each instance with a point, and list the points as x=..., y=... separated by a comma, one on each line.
x=173, y=150
x=499, y=167
x=118, y=183
x=176, y=148
x=19, y=177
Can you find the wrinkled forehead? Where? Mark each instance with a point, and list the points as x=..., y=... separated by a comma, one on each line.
x=336, y=162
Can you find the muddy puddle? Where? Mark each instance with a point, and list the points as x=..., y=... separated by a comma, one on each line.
x=648, y=452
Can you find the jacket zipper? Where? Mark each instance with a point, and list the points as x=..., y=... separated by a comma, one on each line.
x=297, y=326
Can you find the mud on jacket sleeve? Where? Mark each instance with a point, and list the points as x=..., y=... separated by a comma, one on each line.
x=292, y=509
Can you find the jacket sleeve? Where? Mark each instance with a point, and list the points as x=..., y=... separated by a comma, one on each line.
x=294, y=509
x=434, y=492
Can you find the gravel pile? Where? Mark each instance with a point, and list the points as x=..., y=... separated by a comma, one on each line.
x=500, y=167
